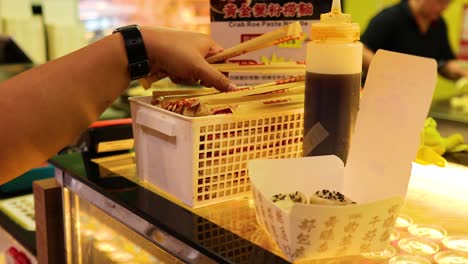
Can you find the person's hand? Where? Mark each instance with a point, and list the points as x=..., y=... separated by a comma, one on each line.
x=180, y=55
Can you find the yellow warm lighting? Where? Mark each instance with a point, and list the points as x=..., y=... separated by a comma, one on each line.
x=104, y=235
x=105, y=247
x=403, y=221
x=101, y=5
x=186, y=15
x=121, y=256
x=251, y=203
x=448, y=182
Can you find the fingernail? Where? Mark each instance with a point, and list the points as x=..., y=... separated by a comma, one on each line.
x=232, y=87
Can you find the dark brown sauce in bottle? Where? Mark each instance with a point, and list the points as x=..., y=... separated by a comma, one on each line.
x=332, y=102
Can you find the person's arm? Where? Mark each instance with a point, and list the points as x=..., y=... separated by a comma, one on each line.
x=448, y=66
x=46, y=108
x=452, y=70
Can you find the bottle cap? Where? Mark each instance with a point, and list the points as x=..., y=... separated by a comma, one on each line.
x=335, y=25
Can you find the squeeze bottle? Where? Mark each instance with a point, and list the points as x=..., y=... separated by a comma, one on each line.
x=333, y=83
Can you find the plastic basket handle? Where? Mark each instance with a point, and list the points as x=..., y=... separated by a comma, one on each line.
x=149, y=119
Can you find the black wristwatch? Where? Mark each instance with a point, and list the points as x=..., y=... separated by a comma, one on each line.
x=138, y=63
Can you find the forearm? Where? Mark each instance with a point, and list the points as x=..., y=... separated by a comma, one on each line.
x=44, y=109
x=453, y=71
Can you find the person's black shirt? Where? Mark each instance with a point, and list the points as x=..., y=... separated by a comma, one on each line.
x=395, y=29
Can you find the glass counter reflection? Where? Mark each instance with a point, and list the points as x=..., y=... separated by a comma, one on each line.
x=237, y=216
x=230, y=228
x=95, y=237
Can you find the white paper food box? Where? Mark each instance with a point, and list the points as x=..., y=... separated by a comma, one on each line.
x=393, y=108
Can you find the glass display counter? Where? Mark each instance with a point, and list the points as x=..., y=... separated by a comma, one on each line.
x=451, y=120
x=137, y=219
x=110, y=215
x=96, y=237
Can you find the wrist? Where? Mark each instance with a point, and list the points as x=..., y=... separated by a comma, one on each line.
x=138, y=63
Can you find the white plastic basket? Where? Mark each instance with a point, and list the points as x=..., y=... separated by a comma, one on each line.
x=203, y=160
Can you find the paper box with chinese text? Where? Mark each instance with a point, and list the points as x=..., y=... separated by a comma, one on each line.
x=393, y=108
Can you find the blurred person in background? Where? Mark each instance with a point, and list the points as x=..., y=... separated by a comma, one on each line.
x=413, y=27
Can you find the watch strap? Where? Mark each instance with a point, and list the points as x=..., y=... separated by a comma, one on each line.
x=138, y=63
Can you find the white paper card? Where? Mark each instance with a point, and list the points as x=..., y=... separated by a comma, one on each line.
x=394, y=105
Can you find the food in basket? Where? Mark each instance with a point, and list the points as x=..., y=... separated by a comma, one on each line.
x=293, y=31
x=327, y=197
x=274, y=103
x=281, y=93
x=177, y=94
x=289, y=67
x=286, y=201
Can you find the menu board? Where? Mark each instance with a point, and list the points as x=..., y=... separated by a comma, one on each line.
x=236, y=21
